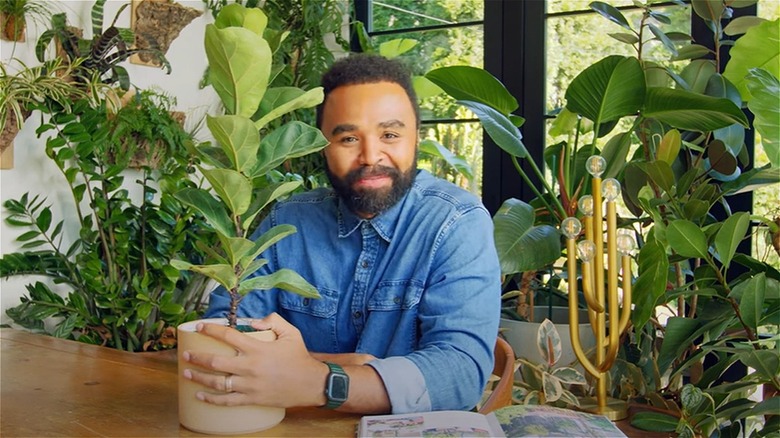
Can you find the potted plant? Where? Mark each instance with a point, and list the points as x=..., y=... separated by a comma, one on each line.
x=14, y=15
x=527, y=237
x=21, y=91
x=687, y=125
x=240, y=66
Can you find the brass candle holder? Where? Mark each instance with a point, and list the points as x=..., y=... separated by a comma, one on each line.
x=601, y=303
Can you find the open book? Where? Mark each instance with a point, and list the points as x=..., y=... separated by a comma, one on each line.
x=511, y=421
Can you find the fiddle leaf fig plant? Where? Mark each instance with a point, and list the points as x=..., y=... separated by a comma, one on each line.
x=240, y=65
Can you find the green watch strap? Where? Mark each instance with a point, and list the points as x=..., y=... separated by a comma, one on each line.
x=336, y=386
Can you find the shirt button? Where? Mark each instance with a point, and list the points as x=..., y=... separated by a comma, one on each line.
x=357, y=314
x=364, y=264
x=396, y=300
x=305, y=301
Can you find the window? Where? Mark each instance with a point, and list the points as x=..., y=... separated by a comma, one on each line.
x=446, y=33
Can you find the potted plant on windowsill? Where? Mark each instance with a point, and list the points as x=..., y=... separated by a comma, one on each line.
x=240, y=67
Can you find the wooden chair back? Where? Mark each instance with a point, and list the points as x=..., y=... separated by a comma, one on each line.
x=504, y=368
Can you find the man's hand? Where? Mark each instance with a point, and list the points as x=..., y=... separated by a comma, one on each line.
x=280, y=373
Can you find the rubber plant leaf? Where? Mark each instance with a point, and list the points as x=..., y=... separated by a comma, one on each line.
x=521, y=245
x=474, y=84
x=238, y=67
x=691, y=111
x=503, y=132
x=611, y=88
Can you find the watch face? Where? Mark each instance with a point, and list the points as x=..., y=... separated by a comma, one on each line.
x=338, y=387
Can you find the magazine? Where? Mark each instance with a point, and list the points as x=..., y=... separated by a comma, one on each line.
x=510, y=421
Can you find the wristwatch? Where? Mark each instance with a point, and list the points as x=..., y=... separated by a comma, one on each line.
x=336, y=386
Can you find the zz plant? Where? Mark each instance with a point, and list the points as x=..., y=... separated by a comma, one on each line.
x=120, y=289
x=240, y=69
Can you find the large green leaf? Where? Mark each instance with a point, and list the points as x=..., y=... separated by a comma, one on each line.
x=284, y=279
x=280, y=101
x=223, y=274
x=234, y=15
x=691, y=111
x=751, y=300
x=676, y=340
x=687, y=238
x=651, y=282
x=209, y=207
x=238, y=138
x=239, y=67
x=232, y=187
x=523, y=246
x=473, y=84
x=499, y=128
x=730, y=234
x=654, y=421
x=434, y=148
x=759, y=48
x=294, y=139
x=265, y=196
x=765, y=105
x=269, y=238
x=607, y=90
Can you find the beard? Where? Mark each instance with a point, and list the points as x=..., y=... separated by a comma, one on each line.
x=371, y=202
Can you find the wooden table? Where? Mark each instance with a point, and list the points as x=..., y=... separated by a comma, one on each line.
x=53, y=387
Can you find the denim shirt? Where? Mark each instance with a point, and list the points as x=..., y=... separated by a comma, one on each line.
x=417, y=286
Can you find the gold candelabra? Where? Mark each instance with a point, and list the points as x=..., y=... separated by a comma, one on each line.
x=601, y=303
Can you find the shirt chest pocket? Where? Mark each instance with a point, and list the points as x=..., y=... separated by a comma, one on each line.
x=323, y=307
x=393, y=296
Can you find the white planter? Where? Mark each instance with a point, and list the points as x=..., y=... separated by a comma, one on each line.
x=207, y=418
x=521, y=335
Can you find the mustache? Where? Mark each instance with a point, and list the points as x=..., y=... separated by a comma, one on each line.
x=371, y=171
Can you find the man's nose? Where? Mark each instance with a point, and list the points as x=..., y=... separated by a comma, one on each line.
x=371, y=152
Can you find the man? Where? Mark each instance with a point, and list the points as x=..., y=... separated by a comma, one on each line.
x=405, y=265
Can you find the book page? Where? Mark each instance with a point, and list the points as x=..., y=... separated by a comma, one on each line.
x=430, y=424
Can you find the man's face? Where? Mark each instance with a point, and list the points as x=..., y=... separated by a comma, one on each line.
x=372, y=156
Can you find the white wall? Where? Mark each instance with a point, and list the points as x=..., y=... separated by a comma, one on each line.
x=35, y=173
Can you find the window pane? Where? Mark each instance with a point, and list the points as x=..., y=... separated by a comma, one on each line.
x=439, y=48
x=465, y=141
x=555, y=6
x=407, y=14
x=577, y=41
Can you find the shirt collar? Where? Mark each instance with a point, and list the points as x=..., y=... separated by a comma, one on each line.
x=384, y=223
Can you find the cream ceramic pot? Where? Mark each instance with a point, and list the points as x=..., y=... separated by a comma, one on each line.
x=207, y=418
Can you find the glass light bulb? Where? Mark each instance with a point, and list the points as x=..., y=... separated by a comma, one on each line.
x=585, y=205
x=586, y=250
x=610, y=189
x=596, y=165
x=625, y=244
x=571, y=227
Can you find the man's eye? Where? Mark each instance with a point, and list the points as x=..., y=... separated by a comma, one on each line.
x=390, y=135
x=348, y=139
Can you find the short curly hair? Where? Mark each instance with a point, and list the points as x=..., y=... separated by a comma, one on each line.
x=365, y=68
